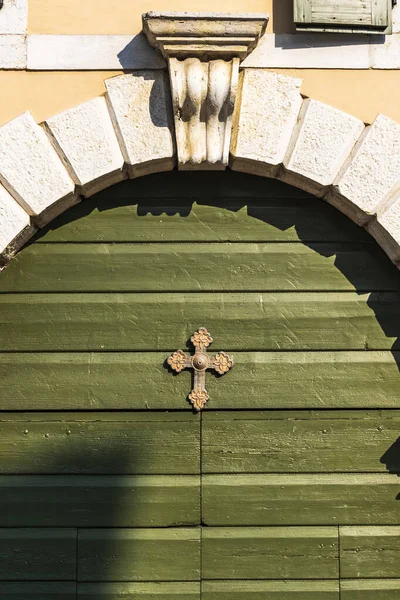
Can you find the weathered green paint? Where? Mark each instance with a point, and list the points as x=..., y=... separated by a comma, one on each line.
x=371, y=589
x=291, y=380
x=139, y=554
x=226, y=208
x=294, y=445
x=315, y=499
x=270, y=553
x=367, y=552
x=271, y=590
x=193, y=267
x=99, y=501
x=248, y=321
x=143, y=444
x=182, y=590
x=38, y=554
x=300, y=442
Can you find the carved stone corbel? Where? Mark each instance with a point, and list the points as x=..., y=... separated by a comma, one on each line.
x=204, y=51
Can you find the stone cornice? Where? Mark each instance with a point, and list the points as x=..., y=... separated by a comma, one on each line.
x=204, y=35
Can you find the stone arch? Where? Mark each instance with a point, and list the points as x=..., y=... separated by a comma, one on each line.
x=46, y=168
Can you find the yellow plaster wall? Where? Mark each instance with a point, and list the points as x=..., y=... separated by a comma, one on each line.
x=361, y=93
x=124, y=16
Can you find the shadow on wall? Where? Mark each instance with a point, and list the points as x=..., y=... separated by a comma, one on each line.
x=269, y=201
x=103, y=490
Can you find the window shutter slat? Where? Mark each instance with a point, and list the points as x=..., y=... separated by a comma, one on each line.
x=367, y=16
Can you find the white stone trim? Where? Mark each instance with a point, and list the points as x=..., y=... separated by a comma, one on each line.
x=31, y=170
x=14, y=16
x=84, y=137
x=48, y=52
x=91, y=53
x=13, y=51
x=322, y=141
x=15, y=227
x=262, y=129
x=42, y=52
x=363, y=182
x=140, y=107
x=368, y=178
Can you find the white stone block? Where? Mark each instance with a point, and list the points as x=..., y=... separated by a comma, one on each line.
x=32, y=171
x=396, y=19
x=12, y=51
x=387, y=55
x=84, y=136
x=91, y=52
x=140, y=108
x=14, y=16
x=322, y=141
x=311, y=51
x=386, y=229
x=15, y=224
x=371, y=172
x=266, y=112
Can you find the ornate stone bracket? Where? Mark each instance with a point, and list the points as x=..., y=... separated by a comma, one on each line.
x=204, y=51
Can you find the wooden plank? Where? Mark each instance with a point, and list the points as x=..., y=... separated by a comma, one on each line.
x=143, y=591
x=302, y=321
x=270, y=553
x=207, y=267
x=249, y=219
x=273, y=590
x=343, y=12
x=38, y=591
x=99, y=501
x=300, y=442
x=139, y=555
x=38, y=554
x=194, y=267
x=381, y=13
x=143, y=444
x=175, y=185
x=370, y=589
x=303, y=11
x=291, y=380
x=367, y=552
x=313, y=499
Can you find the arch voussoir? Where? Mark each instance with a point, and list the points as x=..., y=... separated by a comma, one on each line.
x=129, y=132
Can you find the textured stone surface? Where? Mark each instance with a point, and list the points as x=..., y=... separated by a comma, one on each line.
x=140, y=107
x=212, y=35
x=386, y=229
x=91, y=52
x=203, y=93
x=15, y=227
x=31, y=170
x=14, y=16
x=311, y=51
x=87, y=140
x=267, y=109
x=371, y=173
x=12, y=51
x=387, y=55
x=322, y=141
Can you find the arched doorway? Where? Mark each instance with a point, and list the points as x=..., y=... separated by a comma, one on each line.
x=286, y=486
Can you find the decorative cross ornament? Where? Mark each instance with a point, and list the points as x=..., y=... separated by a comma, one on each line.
x=200, y=362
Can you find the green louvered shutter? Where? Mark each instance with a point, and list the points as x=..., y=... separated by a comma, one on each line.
x=369, y=16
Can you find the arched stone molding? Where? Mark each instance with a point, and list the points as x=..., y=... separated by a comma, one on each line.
x=45, y=169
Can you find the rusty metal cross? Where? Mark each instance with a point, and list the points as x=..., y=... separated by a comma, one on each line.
x=200, y=362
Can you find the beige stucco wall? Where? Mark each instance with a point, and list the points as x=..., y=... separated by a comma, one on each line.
x=363, y=93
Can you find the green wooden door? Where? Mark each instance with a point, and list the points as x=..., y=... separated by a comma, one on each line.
x=286, y=486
